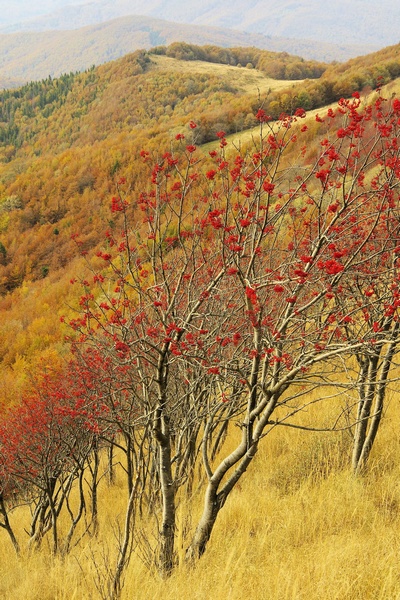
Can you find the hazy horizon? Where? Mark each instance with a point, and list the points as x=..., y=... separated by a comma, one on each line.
x=344, y=22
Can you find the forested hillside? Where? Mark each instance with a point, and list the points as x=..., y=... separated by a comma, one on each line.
x=64, y=144
x=66, y=141
x=93, y=127
x=199, y=265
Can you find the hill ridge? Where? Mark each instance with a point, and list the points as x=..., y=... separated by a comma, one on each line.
x=34, y=55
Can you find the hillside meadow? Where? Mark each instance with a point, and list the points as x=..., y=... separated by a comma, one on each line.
x=299, y=526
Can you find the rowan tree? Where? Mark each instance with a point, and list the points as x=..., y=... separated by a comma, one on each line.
x=46, y=444
x=372, y=293
x=224, y=296
x=6, y=504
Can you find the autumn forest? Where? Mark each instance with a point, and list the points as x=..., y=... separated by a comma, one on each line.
x=199, y=328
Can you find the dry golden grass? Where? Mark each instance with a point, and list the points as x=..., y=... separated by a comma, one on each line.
x=250, y=81
x=298, y=526
x=246, y=136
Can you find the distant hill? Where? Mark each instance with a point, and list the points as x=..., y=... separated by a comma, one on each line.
x=28, y=56
x=23, y=10
x=341, y=22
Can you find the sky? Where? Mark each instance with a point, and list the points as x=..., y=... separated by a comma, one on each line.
x=13, y=11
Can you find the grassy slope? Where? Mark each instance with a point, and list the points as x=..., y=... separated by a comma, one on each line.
x=393, y=88
x=298, y=527
x=250, y=81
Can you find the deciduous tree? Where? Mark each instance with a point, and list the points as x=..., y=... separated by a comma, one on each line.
x=227, y=292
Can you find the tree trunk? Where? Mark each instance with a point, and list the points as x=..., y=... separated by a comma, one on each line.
x=110, y=469
x=212, y=506
x=367, y=394
x=125, y=545
x=167, y=533
x=75, y=519
x=375, y=381
x=94, y=490
x=215, y=497
x=7, y=526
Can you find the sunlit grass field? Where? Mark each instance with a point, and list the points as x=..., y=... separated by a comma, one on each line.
x=251, y=81
x=249, y=135
x=298, y=526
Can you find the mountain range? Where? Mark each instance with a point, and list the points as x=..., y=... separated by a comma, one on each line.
x=51, y=37
x=33, y=55
x=343, y=22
